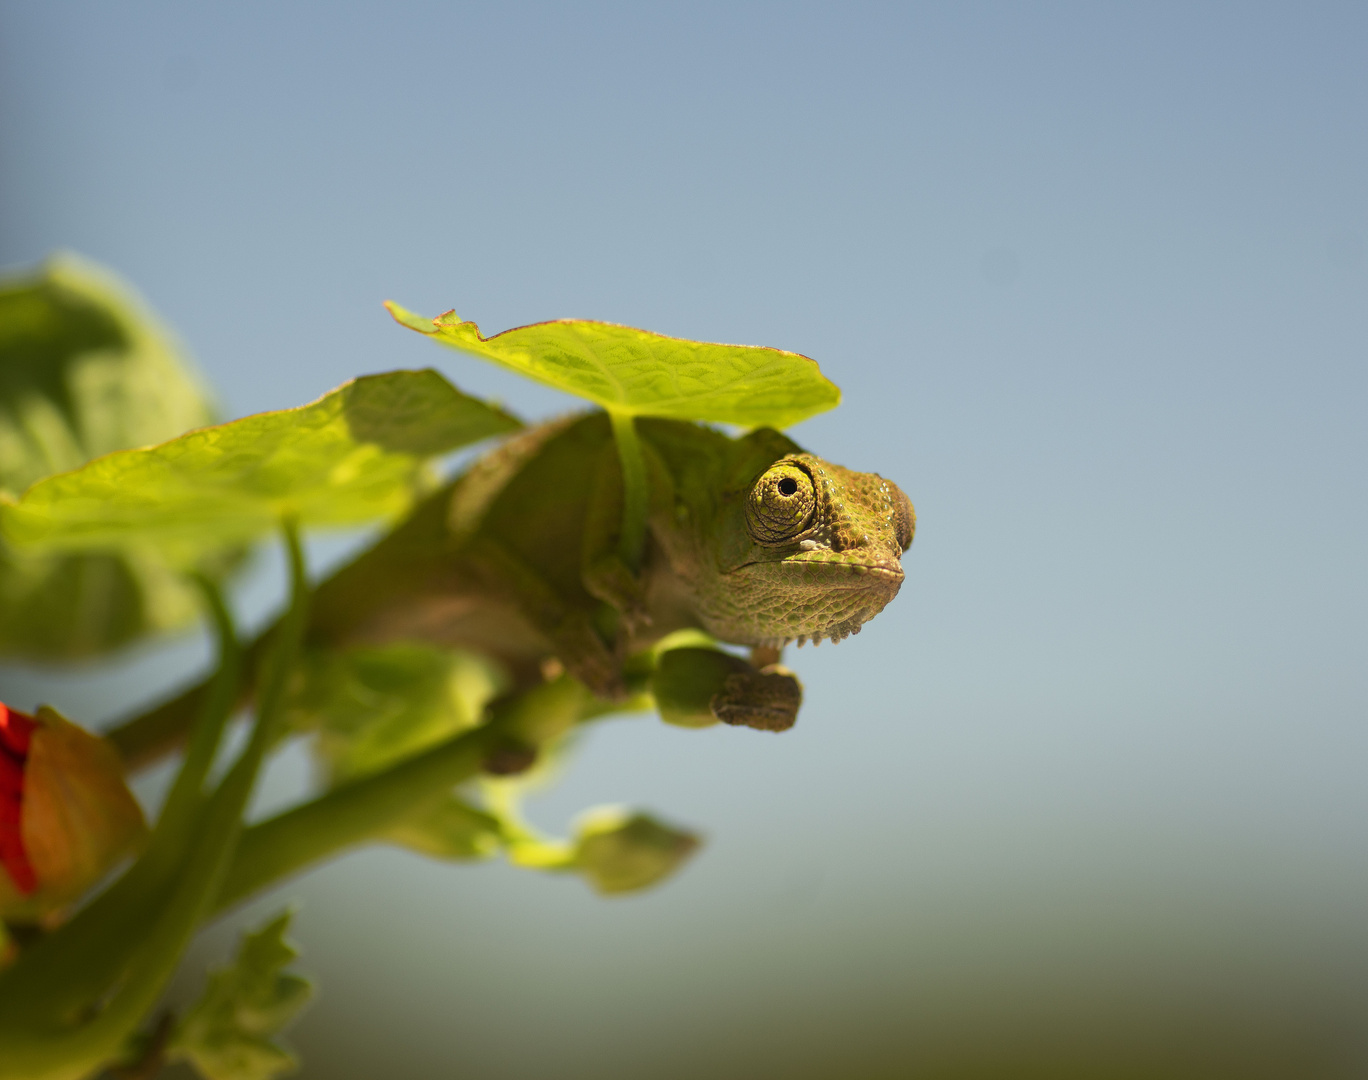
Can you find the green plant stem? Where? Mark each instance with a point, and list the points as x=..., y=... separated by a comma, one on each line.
x=369, y=808
x=157, y=732
x=635, y=498
x=187, y=794
x=351, y=814
x=43, y=1036
x=74, y=965
x=151, y=735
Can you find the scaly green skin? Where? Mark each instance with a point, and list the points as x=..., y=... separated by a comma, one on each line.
x=518, y=557
x=766, y=565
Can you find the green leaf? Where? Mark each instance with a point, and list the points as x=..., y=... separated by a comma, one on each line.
x=228, y=1034
x=66, y=607
x=638, y=373
x=356, y=454
x=85, y=369
x=618, y=851
x=375, y=706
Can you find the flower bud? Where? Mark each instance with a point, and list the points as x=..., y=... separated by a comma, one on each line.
x=66, y=815
x=686, y=680
x=618, y=851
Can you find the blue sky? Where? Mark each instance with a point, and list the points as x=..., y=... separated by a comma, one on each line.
x=1094, y=281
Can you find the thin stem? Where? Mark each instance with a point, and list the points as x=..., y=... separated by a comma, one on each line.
x=41, y=1034
x=74, y=964
x=368, y=808
x=153, y=734
x=351, y=814
x=187, y=795
x=635, y=500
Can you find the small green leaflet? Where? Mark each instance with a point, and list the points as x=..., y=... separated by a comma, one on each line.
x=638, y=373
x=356, y=454
x=229, y=1033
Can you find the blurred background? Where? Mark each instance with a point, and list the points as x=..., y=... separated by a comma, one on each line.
x=1088, y=798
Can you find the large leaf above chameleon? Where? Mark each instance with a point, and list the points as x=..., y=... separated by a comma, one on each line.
x=86, y=369
x=641, y=373
x=357, y=454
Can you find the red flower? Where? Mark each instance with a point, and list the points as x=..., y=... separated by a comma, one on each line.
x=16, y=733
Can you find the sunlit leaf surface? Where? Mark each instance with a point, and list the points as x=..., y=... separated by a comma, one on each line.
x=645, y=374
x=355, y=455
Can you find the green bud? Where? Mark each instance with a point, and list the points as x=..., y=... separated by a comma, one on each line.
x=699, y=687
x=619, y=851
x=686, y=681
x=544, y=713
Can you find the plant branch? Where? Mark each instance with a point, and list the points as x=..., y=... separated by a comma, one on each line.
x=351, y=814
x=48, y=1030
x=368, y=808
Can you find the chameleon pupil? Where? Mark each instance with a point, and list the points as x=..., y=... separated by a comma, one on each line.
x=788, y=486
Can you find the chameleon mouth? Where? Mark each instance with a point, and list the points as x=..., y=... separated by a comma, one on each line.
x=881, y=573
x=829, y=599
x=843, y=575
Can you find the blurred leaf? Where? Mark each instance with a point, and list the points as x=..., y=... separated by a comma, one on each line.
x=356, y=454
x=375, y=706
x=452, y=829
x=541, y=716
x=618, y=851
x=614, y=849
x=640, y=373
x=63, y=607
x=85, y=369
x=228, y=1034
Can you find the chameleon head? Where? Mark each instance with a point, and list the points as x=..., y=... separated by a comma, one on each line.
x=820, y=553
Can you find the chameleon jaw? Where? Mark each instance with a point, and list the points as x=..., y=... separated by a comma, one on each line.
x=830, y=599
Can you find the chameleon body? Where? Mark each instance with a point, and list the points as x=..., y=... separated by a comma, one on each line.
x=750, y=539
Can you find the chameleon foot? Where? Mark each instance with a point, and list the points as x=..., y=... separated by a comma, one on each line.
x=766, y=700
x=699, y=687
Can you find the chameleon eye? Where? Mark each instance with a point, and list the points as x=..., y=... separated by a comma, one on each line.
x=780, y=504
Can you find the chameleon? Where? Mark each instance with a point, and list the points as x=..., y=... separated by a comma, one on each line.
x=750, y=539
